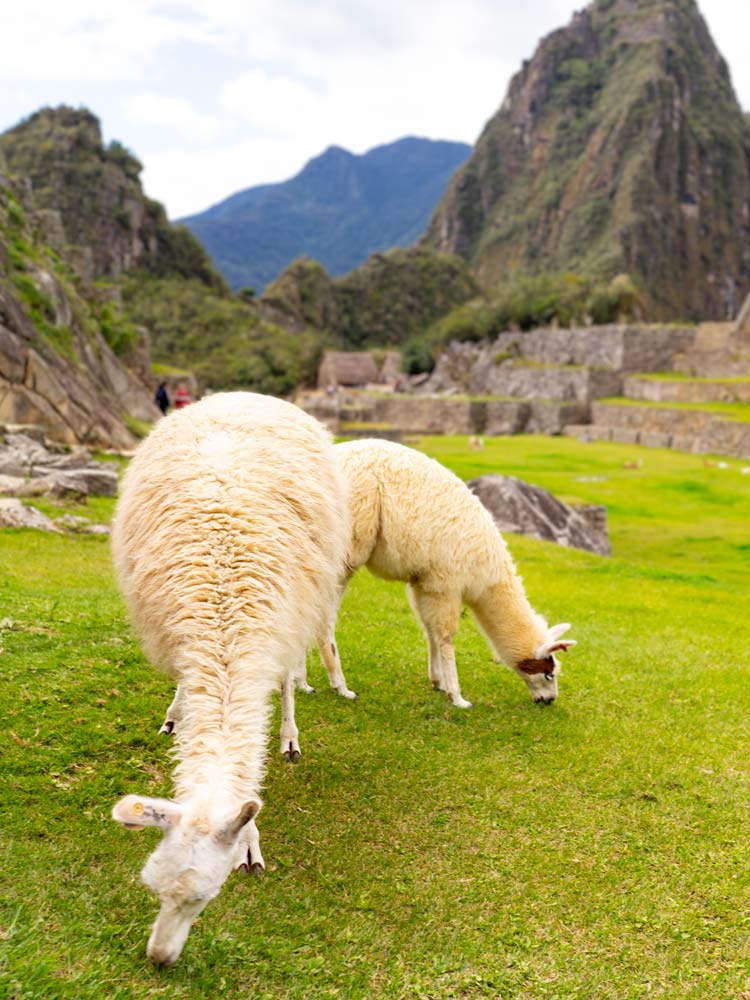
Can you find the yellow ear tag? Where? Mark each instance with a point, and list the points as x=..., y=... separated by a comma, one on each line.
x=137, y=808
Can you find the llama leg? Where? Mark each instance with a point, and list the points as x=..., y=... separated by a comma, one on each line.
x=249, y=859
x=329, y=653
x=450, y=674
x=439, y=615
x=289, y=732
x=300, y=680
x=174, y=713
x=434, y=666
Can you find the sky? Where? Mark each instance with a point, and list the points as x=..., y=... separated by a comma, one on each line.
x=214, y=96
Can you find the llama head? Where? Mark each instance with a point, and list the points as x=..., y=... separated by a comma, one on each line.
x=191, y=863
x=541, y=671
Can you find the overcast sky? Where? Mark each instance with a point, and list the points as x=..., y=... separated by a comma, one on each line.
x=218, y=95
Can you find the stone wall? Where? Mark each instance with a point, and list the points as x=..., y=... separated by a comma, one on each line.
x=686, y=391
x=601, y=351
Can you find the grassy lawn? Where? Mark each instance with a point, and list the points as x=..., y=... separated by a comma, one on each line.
x=594, y=849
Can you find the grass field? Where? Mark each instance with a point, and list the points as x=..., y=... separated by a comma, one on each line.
x=594, y=849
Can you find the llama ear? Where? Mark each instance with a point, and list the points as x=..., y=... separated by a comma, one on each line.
x=554, y=643
x=136, y=811
x=557, y=631
x=248, y=810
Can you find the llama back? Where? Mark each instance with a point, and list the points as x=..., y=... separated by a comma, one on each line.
x=426, y=524
x=231, y=524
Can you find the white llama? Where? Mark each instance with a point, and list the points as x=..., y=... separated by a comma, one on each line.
x=414, y=520
x=229, y=541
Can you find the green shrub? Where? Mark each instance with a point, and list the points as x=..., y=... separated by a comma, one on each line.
x=120, y=334
x=417, y=357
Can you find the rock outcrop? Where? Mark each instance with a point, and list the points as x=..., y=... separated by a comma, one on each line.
x=619, y=148
x=29, y=467
x=530, y=510
x=91, y=200
x=57, y=370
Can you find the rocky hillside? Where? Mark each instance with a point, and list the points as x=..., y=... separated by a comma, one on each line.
x=135, y=276
x=338, y=210
x=619, y=148
x=56, y=368
x=92, y=201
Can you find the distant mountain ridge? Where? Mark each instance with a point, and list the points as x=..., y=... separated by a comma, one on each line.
x=338, y=210
x=620, y=147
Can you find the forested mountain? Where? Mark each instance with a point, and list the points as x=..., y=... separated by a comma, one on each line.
x=338, y=210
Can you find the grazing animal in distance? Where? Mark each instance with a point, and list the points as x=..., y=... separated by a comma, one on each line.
x=414, y=520
x=229, y=542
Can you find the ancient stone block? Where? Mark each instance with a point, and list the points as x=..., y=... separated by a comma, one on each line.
x=625, y=435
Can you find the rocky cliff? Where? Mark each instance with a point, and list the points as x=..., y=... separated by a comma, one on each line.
x=56, y=368
x=91, y=200
x=620, y=147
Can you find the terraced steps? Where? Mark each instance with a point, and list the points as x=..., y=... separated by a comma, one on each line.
x=718, y=428
x=668, y=389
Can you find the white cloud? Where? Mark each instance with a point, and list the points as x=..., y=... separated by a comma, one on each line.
x=170, y=113
x=230, y=93
x=275, y=104
x=188, y=182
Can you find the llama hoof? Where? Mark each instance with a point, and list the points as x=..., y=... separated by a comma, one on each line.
x=307, y=689
x=346, y=693
x=292, y=755
x=258, y=869
x=243, y=869
x=167, y=728
x=460, y=702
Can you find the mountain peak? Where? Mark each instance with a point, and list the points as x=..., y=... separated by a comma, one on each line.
x=619, y=147
x=338, y=209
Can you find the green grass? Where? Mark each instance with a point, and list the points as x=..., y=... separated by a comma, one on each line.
x=595, y=849
x=731, y=411
x=679, y=377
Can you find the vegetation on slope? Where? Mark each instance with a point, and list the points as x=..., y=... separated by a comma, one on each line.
x=595, y=848
x=222, y=339
x=338, y=210
x=531, y=301
x=620, y=148
x=97, y=192
x=392, y=298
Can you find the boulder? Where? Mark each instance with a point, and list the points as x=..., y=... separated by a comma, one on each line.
x=13, y=514
x=28, y=467
x=529, y=510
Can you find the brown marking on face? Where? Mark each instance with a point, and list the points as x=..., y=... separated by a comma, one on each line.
x=546, y=666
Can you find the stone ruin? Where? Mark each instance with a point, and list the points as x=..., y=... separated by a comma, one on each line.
x=613, y=383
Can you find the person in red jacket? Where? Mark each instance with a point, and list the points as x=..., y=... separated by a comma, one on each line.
x=181, y=397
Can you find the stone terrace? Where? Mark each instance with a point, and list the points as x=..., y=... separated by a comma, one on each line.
x=609, y=382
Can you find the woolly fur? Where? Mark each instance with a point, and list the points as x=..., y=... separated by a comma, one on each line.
x=414, y=520
x=228, y=543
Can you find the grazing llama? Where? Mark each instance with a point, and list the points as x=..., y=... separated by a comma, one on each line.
x=414, y=520
x=229, y=542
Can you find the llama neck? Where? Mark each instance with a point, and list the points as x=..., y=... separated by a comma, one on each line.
x=221, y=738
x=512, y=626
